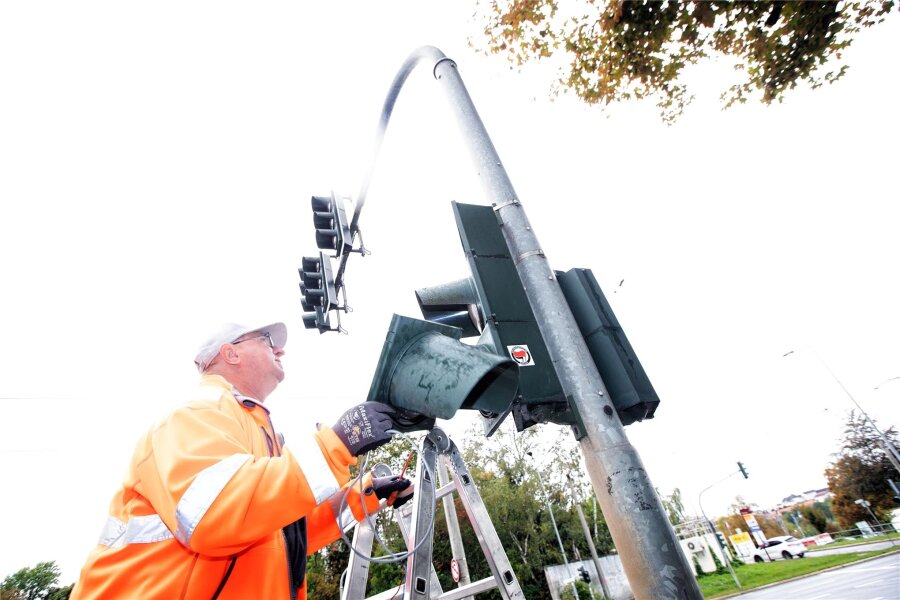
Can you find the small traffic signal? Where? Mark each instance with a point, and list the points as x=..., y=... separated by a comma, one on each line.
x=332, y=227
x=585, y=576
x=427, y=373
x=317, y=288
x=743, y=470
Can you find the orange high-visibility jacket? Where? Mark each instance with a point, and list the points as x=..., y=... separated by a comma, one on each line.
x=201, y=511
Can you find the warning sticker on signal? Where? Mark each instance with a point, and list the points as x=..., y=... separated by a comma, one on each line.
x=521, y=354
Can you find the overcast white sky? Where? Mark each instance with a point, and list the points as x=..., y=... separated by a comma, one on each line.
x=156, y=164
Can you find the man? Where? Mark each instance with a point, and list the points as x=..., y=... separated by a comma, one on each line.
x=215, y=506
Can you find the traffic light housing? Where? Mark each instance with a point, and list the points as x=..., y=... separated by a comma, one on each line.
x=583, y=573
x=743, y=470
x=426, y=373
x=455, y=304
x=492, y=304
x=628, y=386
x=332, y=228
x=318, y=291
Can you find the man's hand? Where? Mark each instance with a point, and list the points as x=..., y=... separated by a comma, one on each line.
x=395, y=489
x=364, y=427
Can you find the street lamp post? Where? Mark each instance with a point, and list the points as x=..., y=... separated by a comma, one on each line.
x=562, y=548
x=886, y=380
x=590, y=541
x=718, y=541
x=893, y=455
x=868, y=506
x=796, y=516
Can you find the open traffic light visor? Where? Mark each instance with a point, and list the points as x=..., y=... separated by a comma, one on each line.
x=425, y=370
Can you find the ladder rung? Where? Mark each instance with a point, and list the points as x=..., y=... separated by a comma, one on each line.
x=482, y=585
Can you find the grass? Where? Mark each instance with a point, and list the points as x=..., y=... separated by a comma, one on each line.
x=759, y=574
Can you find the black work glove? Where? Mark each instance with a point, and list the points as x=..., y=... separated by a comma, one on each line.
x=391, y=489
x=364, y=427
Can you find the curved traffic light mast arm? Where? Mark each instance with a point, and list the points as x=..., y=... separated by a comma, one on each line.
x=653, y=561
x=417, y=56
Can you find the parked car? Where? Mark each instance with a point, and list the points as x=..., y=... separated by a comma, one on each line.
x=782, y=546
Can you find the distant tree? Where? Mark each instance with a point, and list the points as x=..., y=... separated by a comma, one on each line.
x=62, y=593
x=616, y=50
x=509, y=469
x=584, y=591
x=34, y=583
x=674, y=506
x=816, y=517
x=861, y=471
x=720, y=568
x=768, y=522
x=825, y=507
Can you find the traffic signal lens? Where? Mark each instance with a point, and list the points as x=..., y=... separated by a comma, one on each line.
x=321, y=204
x=310, y=263
x=310, y=321
x=326, y=239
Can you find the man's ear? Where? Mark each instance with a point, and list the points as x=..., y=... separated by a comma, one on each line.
x=229, y=354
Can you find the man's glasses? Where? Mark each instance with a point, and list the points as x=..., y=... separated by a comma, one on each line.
x=267, y=336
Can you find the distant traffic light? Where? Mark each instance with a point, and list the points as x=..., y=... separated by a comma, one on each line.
x=743, y=470
x=585, y=576
x=427, y=373
x=317, y=289
x=332, y=227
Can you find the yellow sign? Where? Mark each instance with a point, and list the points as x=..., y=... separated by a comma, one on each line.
x=740, y=538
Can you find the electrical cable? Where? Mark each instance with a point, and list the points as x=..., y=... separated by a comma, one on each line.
x=393, y=557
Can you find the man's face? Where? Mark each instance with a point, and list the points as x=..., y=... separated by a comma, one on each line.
x=260, y=359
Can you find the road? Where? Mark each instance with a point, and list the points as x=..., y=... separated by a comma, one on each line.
x=877, y=579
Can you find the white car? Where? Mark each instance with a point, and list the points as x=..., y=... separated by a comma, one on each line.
x=782, y=546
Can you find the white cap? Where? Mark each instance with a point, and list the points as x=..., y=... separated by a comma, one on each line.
x=229, y=333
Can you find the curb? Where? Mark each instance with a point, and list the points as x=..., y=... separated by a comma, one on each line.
x=799, y=577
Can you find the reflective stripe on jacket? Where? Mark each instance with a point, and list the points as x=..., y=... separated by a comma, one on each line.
x=210, y=484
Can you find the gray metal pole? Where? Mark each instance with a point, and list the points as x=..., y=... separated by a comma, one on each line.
x=783, y=526
x=590, y=540
x=562, y=548
x=456, y=545
x=888, y=446
x=707, y=524
x=797, y=523
x=651, y=556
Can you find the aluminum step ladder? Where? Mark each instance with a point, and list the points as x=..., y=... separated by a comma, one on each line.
x=416, y=521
